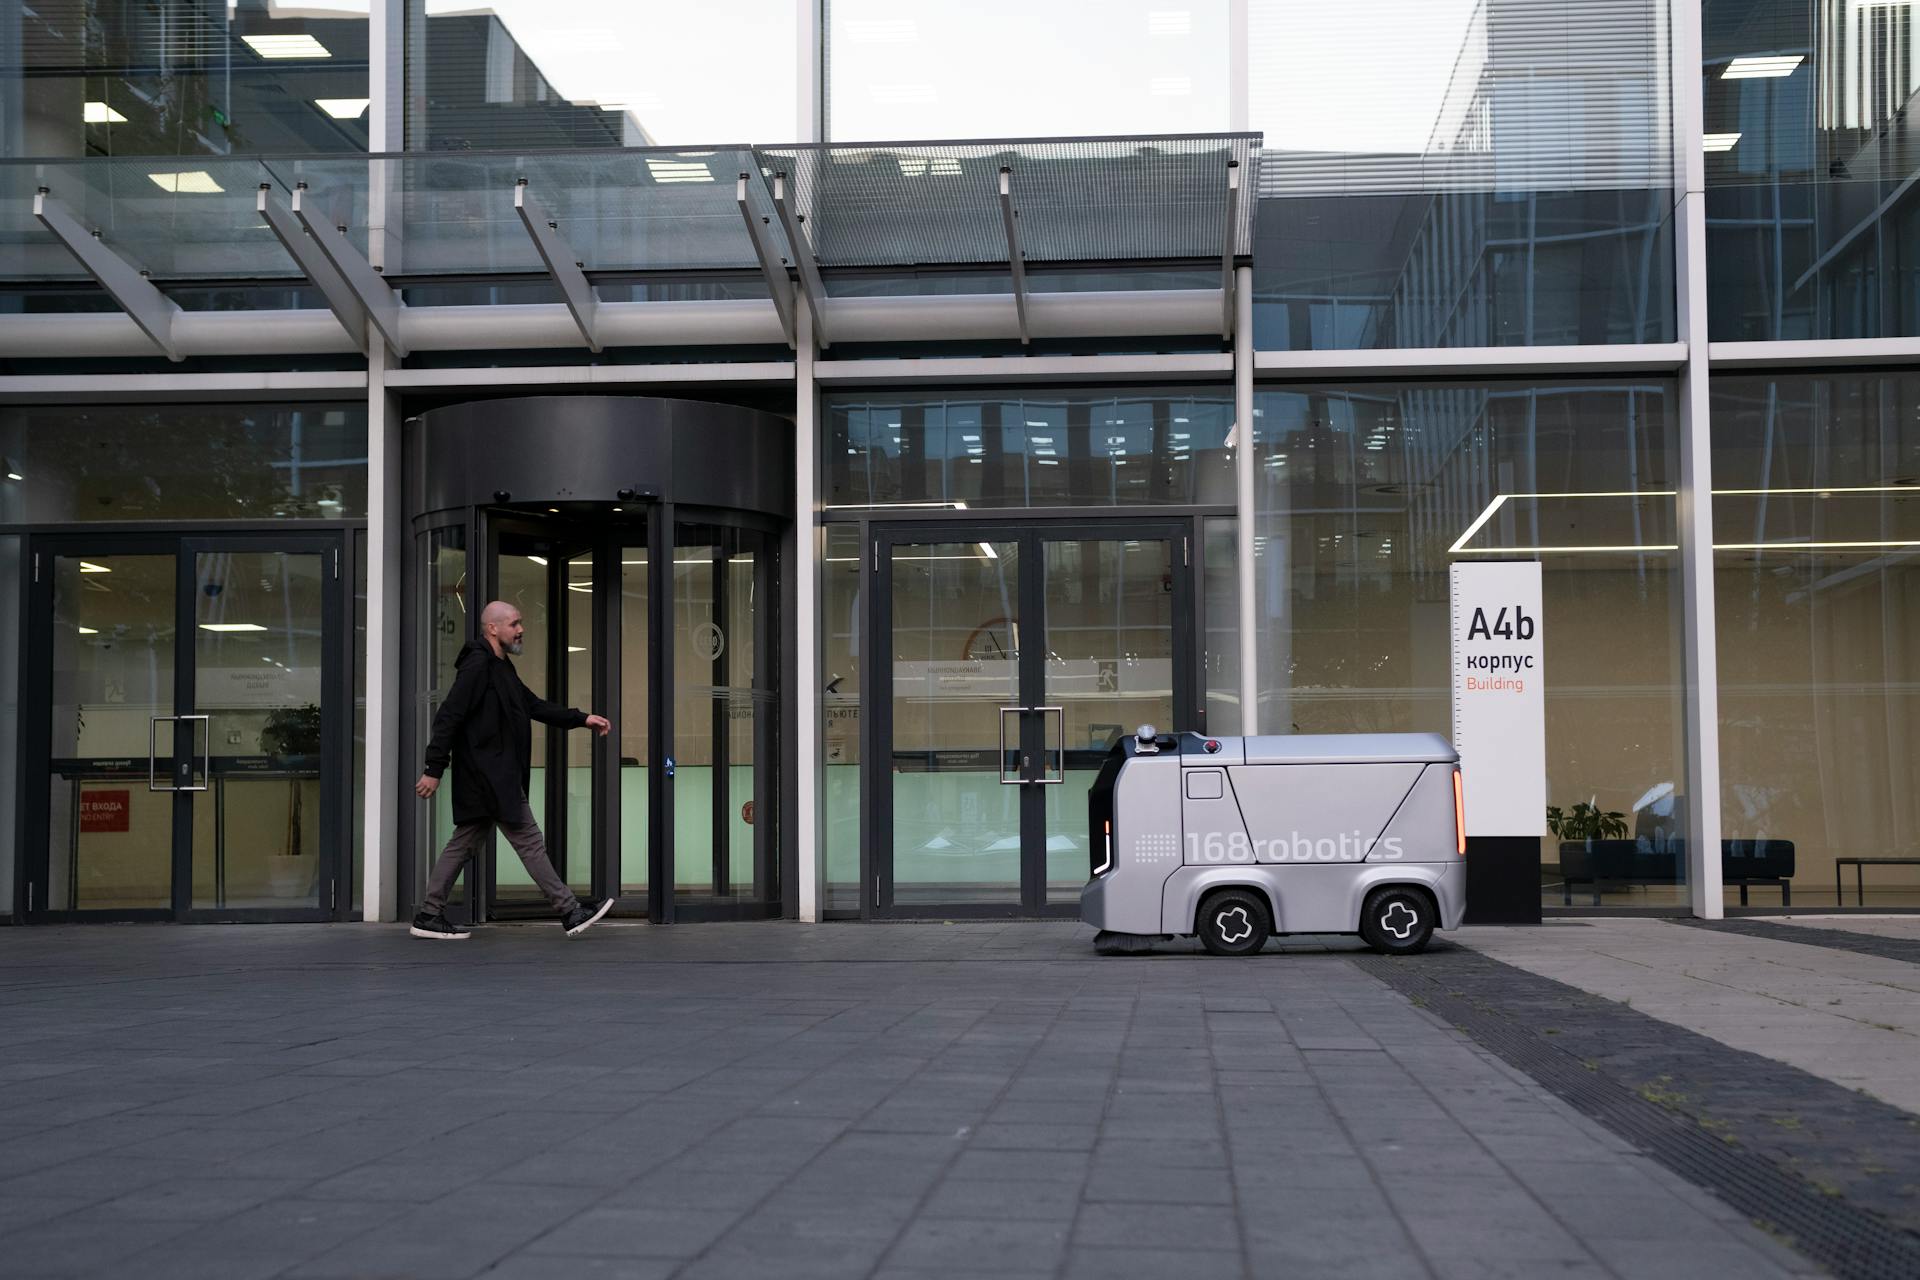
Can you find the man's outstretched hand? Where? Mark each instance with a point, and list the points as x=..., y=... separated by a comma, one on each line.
x=600, y=725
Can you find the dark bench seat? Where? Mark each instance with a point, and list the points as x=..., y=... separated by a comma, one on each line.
x=1742, y=862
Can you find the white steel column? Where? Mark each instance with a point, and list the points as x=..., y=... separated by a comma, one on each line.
x=386, y=536
x=1243, y=502
x=1239, y=77
x=386, y=125
x=1695, y=508
x=810, y=105
x=808, y=546
x=386, y=532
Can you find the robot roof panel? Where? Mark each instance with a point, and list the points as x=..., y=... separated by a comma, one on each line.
x=1345, y=748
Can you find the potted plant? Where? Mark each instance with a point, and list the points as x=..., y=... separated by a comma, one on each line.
x=1586, y=821
x=1593, y=846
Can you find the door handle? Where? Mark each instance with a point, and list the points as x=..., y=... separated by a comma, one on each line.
x=153, y=750
x=1019, y=768
x=1019, y=776
x=1046, y=778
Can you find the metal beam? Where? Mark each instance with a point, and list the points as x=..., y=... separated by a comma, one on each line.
x=1008, y=219
x=803, y=260
x=374, y=295
x=1228, y=235
x=772, y=265
x=720, y=322
x=301, y=247
x=575, y=290
x=152, y=310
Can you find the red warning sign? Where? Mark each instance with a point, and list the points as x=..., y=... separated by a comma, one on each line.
x=102, y=812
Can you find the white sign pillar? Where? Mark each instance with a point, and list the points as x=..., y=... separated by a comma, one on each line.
x=1499, y=696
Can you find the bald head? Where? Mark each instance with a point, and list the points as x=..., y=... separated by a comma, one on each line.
x=501, y=628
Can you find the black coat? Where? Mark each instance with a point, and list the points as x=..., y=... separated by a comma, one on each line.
x=485, y=727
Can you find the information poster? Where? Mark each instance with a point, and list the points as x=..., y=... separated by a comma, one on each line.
x=1499, y=695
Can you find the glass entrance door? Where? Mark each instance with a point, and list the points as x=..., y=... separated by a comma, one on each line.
x=1015, y=657
x=193, y=769
x=546, y=570
x=676, y=811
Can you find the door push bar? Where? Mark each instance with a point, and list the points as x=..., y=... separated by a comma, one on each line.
x=153, y=734
x=1046, y=778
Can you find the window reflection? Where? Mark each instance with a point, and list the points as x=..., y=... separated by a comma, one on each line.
x=596, y=73
x=189, y=77
x=1048, y=449
x=109, y=462
x=1817, y=580
x=1024, y=69
x=1367, y=494
x=1809, y=156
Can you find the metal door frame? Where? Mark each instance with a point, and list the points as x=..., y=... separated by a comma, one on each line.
x=34, y=881
x=1181, y=533
x=577, y=535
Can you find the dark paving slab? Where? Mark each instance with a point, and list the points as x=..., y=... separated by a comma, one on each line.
x=1866, y=944
x=1831, y=1169
x=784, y=1100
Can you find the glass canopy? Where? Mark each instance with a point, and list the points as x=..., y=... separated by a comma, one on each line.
x=655, y=210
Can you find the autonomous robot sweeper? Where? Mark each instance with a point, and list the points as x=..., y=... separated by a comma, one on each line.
x=1237, y=839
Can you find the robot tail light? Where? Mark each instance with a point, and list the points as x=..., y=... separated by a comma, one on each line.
x=1459, y=816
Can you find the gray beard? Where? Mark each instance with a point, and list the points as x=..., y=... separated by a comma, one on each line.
x=515, y=647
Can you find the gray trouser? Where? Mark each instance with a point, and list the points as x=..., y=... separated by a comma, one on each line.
x=523, y=833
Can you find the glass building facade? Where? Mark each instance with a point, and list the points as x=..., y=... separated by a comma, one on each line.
x=936, y=360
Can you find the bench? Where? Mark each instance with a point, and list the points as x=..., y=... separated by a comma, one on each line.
x=1743, y=863
x=1859, y=866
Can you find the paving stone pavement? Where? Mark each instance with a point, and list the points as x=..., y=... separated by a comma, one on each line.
x=1850, y=1018
x=785, y=1100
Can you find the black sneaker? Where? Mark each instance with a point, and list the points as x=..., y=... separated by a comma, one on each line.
x=433, y=926
x=585, y=916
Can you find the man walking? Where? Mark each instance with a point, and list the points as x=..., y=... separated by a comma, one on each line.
x=485, y=728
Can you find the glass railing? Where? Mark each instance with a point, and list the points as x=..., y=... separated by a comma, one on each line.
x=655, y=210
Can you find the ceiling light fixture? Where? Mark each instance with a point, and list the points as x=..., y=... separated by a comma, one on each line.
x=1719, y=141
x=197, y=182
x=1758, y=68
x=300, y=45
x=100, y=113
x=344, y=108
x=678, y=171
x=226, y=627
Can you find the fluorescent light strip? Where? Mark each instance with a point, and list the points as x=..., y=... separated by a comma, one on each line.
x=225, y=627
x=344, y=108
x=1757, y=68
x=88, y=566
x=300, y=45
x=197, y=182
x=679, y=171
x=100, y=113
x=1460, y=548
x=1719, y=141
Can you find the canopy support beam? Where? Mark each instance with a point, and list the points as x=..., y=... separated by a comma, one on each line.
x=1228, y=234
x=1009, y=218
x=803, y=260
x=772, y=265
x=375, y=296
x=341, y=299
x=575, y=289
x=127, y=285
